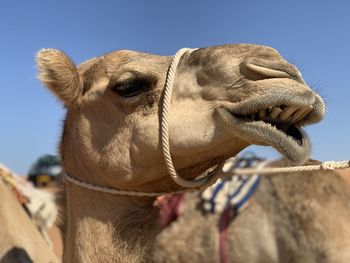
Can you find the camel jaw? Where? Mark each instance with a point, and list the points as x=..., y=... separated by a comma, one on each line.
x=291, y=141
x=279, y=127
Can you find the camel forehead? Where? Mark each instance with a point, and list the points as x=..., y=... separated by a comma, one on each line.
x=120, y=60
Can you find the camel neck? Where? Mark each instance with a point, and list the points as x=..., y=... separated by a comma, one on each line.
x=108, y=228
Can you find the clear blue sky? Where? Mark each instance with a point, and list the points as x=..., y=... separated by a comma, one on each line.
x=315, y=35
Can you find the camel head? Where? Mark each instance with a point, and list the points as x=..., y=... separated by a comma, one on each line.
x=225, y=98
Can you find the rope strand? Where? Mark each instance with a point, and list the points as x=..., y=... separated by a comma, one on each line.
x=115, y=191
x=328, y=165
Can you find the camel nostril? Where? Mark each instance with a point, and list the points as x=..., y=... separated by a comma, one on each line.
x=259, y=69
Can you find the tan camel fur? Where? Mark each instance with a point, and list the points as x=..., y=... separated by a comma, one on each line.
x=225, y=98
x=345, y=173
x=292, y=218
x=20, y=240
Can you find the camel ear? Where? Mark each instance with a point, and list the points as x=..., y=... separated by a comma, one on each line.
x=59, y=74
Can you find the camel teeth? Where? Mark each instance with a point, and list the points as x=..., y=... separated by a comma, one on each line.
x=299, y=115
x=275, y=112
x=288, y=111
x=306, y=113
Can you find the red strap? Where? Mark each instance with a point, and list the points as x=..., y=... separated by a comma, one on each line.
x=224, y=222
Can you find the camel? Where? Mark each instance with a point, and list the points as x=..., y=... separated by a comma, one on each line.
x=300, y=217
x=20, y=240
x=225, y=98
x=345, y=174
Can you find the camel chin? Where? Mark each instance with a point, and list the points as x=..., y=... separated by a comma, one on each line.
x=289, y=140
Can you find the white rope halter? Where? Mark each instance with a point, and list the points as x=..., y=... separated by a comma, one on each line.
x=168, y=90
x=201, y=181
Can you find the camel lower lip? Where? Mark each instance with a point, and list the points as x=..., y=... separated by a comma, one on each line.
x=291, y=131
x=291, y=141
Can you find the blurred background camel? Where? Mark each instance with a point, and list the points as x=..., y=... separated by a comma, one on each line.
x=26, y=215
x=296, y=217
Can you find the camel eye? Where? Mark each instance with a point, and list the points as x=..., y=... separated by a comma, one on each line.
x=131, y=87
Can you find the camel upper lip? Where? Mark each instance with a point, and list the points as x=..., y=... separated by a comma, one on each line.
x=298, y=101
x=277, y=123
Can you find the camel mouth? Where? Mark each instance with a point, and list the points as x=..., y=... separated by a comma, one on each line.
x=279, y=126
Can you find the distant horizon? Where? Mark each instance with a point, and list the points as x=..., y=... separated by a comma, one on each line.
x=312, y=34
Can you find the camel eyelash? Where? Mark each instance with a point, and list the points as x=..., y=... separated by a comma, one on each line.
x=133, y=86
